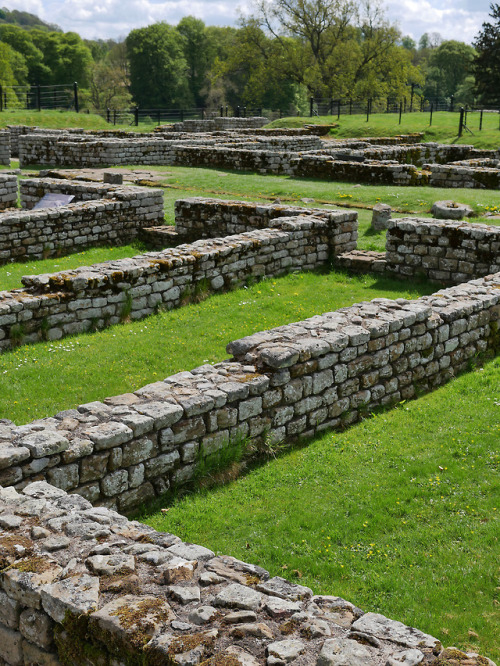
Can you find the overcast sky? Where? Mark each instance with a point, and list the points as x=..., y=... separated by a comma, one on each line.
x=453, y=19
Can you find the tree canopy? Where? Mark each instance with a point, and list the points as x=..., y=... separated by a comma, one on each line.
x=487, y=62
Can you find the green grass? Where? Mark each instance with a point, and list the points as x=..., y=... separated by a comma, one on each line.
x=444, y=127
x=10, y=274
x=53, y=119
x=42, y=379
x=399, y=514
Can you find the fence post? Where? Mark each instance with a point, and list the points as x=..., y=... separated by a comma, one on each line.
x=311, y=106
x=114, y=116
x=338, y=109
x=244, y=112
x=432, y=109
x=75, y=96
x=182, y=115
x=368, y=111
x=136, y=116
x=400, y=111
x=203, y=114
x=108, y=115
x=461, y=121
x=38, y=98
x=226, y=110
x=221, y=111
x=1, y=97
x=451, y=102
x=481, y=120
x=387, y=106
x=238, y=111
x=350, y=106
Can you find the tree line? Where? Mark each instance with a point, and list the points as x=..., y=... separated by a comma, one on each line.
x=277, y=58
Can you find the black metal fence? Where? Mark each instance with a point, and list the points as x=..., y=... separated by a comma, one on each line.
x=327, y=106
x=36, y=97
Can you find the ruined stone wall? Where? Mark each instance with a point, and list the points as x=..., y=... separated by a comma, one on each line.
x=454, y=175
x=83, y=586
x=220, y=123
x=70, y=302
x=198, y=217
x=5, y=147
x=8, y=192
x=295, y=380
x=31, y=190
x=115, y=219
x=442, y=250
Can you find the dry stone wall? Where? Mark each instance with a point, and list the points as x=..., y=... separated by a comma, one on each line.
x=197, y=217
x=295, y=380
x=83, y=586
x=8, y=192
x=5, y=147
x=220, y=123
x=70, y=302
x=386, y=162
x=445, y=251
x=115, y=219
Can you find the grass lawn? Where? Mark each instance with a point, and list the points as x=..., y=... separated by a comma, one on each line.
x=398, y=514
x=444, y=128
x=42, y=379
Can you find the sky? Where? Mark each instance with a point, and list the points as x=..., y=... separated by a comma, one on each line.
x=453, y=19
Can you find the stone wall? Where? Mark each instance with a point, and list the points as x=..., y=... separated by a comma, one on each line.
x=70, y=302
x=459, y=175
x=198, y=217
x=220, y=123
x=295, y=380
x=83, y=586
x=31, y=190
x=5, y=147
x=115, y=219
x=442, y=250
x=8, y=192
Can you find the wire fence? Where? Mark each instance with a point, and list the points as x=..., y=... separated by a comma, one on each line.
x=35, y=97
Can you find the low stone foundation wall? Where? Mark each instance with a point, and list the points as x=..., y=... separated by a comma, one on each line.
x=451, y=175
x=296, y=380
x=8, y=192
x=83, y=586
x=444, y=251
x=115, y=219
x=70, y=302
x=198, y=217
x=220, y=123
x=5, y=147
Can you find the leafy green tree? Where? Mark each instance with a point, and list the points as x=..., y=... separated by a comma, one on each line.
x=158, y=67
x=199, y=53
x=65, y=56
x=21, y=41
x=487, y=62
x=448, y=66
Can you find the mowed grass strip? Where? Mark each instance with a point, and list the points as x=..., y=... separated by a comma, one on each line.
x=11, y=274
x=399, y=514
x=40, y=380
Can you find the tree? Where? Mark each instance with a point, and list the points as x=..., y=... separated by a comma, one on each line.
x=107, y=88
x=487, y=63
x=21, y=41
x=447, y=68
x=157, y=67
x=65, y=57
x=199, y=52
